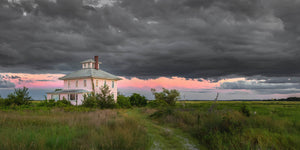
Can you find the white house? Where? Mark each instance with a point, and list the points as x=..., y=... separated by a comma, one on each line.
x=89, y=79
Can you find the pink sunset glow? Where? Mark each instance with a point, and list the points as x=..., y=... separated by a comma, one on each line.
x=191, y=88
x=174, y=82
x=34, y=80
x=52, y=81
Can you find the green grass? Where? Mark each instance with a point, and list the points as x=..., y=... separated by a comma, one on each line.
x=163, y=137
x=271, y=125
x=188, y=125
x=57, y=129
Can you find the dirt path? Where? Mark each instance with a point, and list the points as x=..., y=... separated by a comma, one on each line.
x=164, y=137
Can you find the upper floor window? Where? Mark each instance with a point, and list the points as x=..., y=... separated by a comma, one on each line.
x=69, y=84
x=112, y=84
x=84, y=83
x=96, y=83
x=76, y=83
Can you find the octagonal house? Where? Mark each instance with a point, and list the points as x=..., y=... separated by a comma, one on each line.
x=89, y=79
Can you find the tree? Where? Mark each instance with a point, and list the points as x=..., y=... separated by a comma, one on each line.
x=123, y=101
x=103, y=100
x=137, y=100
x=169, y=96
x=90, y=100
x=106, y=99
x=20, y=97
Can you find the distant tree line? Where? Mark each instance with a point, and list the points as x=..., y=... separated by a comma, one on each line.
x=289, y=99
x=101, y=100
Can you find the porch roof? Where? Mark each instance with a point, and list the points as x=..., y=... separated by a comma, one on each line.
x=68, y=91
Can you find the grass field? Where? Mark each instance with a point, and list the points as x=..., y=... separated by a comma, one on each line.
x=189, y=125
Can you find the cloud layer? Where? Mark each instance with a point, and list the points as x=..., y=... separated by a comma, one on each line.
x=152, y=38
x=4, y=83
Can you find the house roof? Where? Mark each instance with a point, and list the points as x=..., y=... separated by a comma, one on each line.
x=87, y=61
x=68, y=91
x=86, y=73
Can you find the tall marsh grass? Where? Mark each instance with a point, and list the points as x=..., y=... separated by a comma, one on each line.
x=237, y=125
x=58, y=129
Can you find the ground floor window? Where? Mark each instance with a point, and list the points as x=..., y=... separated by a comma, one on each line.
x=55, y=97
x=72, y=96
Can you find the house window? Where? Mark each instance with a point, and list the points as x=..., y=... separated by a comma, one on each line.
x=104, y=82
x=72, y=96
x=84, y=83
x=69, y=84
x=76, y=83
x=96, y=83
x=90, y=65
x=112, y=84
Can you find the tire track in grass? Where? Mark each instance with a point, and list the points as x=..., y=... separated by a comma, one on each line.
x=164, y=137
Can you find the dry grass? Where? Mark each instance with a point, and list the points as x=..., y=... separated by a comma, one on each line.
x=56, y=129
x=274, y=125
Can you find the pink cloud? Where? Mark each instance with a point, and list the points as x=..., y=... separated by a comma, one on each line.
x=35, y=80
x=52, y=81
x=174, y=82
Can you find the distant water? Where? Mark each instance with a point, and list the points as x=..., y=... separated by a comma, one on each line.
x=36, y=94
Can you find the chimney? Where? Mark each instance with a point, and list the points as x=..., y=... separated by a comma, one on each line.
x=96, y=63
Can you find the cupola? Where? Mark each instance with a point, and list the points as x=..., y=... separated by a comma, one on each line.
x=91, y=64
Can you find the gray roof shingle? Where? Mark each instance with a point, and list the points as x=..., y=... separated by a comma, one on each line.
x=86, y=73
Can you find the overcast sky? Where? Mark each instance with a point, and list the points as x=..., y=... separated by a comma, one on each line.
x=206, y=40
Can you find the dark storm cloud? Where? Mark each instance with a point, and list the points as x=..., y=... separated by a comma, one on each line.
x=8, y=77
x=6, y=83
x=44, y=80
x=24, y=81
x=15, y=77
x=266, y=85
x=150, y=38
x=257, y=85
x=278, y=91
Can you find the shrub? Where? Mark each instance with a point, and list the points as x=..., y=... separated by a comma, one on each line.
x=19, y=97
x=106, y=99
x=103, y=100
x=1, y=101
x=123, y=101
x=53, y=103
x=245, y=110
x=169, y=96
x=5, y=102
x=162, y=113
x=157, y=103
x=90, y=100
x=63, y=103
x=137, y=100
